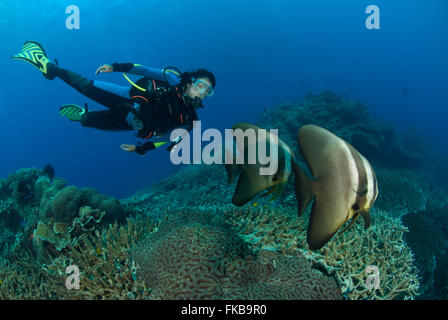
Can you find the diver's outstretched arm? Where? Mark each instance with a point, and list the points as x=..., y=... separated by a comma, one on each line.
x=141, y=149
x=140, y=70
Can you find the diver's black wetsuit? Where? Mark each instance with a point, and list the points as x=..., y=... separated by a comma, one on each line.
x=160, y=109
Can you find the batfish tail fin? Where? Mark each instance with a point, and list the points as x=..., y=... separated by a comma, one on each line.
x=303, y=187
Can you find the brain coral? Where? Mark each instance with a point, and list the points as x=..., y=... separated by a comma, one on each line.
x=195, y=255
x=185, y=258
x=276, y=276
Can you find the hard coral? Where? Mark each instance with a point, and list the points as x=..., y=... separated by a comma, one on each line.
x=23, y=278
x=346, y=256
x=21, y=185
x=51, y=238
x=280, y=277
x=351, y=121
x=186, y=257
x=33, y=206
x=195, y=255
x=106, y=272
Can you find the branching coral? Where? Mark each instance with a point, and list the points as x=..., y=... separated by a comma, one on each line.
x=106, y=272
x=104, y=264
x=346, y=256
x=381, y=246
x=21, y=277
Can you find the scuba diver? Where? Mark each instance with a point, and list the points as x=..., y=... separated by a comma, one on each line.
x=161, y=101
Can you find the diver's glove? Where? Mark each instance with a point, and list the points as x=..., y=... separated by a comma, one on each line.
x=173, y=144
x=142, y=149
x=122, y=67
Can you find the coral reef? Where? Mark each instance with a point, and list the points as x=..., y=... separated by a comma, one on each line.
x=43, y=212
x=58, y=235
x=351, y=121
x=106, y=272
x=405, y=191
x=429, y=242
x=277, y=276
x=186, y=257
x=346, y=256
x=401, y=192
x=189, y=255
x=184, y=240
x=195, y=255
x=22, y=278
x=406, y=185
x=276, y=228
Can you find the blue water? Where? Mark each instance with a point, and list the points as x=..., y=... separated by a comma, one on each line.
x=261, y=52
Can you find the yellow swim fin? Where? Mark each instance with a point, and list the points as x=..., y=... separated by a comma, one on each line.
x=33, y=53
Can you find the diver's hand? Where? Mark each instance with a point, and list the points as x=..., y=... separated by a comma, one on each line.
x=128, y=147
x=104, y=68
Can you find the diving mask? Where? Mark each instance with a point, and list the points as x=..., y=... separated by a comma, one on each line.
x=203, y=87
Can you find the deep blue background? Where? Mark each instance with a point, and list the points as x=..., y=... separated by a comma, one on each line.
x=261, y=52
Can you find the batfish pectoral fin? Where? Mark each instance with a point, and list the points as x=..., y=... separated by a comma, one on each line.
x=270, y=191
x=352, y=222
x=233, y=170
x=367, y=218
x=303, y=188
x=278, y=190
x=249, y=185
